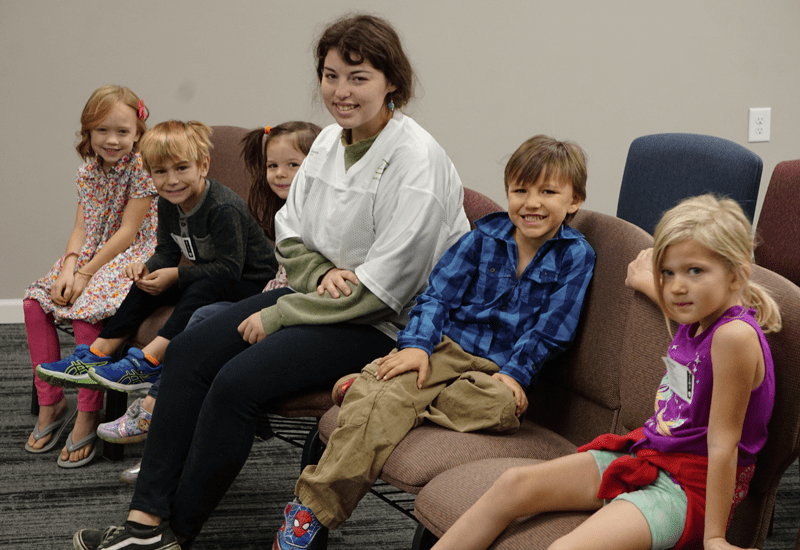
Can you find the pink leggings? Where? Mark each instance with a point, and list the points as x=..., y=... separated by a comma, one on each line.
x=44, y=348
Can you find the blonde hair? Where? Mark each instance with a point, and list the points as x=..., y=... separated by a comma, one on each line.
x=97, y=109
x=176, y=141
x=721, y=226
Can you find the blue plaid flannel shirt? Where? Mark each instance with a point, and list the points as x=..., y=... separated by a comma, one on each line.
x=474, y=297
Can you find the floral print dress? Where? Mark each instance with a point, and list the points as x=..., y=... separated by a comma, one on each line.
x=104, y=198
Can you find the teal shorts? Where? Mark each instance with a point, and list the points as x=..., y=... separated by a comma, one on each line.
x=663, y=503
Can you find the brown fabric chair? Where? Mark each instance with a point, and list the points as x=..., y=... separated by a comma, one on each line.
x=634, y=368
x=778, y=229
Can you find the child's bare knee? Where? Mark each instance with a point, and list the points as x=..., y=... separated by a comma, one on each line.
x=510, y=480
x=512, y=476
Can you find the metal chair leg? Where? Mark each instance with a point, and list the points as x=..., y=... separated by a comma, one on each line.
x=312, y=449
x=34, y=400
x=116, y=404
x=423, y=539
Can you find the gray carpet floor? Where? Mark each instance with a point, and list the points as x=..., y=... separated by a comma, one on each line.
x=42, y=505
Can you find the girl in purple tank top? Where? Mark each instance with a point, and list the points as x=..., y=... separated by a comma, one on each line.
x=677, y=485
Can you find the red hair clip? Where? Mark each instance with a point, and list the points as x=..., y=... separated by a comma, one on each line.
x=143, y=111
x=267, y=129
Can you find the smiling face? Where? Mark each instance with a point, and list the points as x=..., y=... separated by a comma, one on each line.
x=283, y=161
x=697, y=287
x=115, y=136
x=355, y=95
x=181, y=182
x=538, y=209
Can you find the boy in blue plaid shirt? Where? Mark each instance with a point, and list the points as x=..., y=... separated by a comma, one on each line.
x=502, y=301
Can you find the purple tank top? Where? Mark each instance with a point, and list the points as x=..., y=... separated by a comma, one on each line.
x=683, y=400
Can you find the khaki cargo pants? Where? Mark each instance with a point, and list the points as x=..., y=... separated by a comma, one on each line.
x=460, y=394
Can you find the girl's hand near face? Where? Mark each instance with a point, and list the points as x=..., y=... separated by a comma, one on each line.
x=159, y=280
x=640, y=274
x=335, y=280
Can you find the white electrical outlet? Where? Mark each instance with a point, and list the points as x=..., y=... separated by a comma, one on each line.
x=758, y=130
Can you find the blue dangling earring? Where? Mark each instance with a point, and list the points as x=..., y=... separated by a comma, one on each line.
x=391, y=105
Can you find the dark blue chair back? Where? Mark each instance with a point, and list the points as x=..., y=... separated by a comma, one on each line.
x=662, y=169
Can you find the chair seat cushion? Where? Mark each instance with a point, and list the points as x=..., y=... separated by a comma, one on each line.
x=313, y=403
x=451, y=493
x=427, y=451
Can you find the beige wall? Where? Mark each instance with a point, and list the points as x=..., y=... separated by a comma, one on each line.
x=490, y=75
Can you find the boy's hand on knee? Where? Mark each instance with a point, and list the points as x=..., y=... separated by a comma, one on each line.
x=407, y=359
x=159, y=280
x=519, y=393
x=136, y=271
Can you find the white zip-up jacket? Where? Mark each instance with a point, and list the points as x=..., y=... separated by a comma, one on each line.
x=388, y=218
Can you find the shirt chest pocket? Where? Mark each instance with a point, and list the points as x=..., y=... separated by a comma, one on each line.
x=205, y=248
x=537, y=286
x=494, y=280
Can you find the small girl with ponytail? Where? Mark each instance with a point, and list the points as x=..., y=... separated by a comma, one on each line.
x=272, y=157
x=676, y=481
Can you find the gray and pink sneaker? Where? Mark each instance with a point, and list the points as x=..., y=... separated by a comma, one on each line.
x=131, y=427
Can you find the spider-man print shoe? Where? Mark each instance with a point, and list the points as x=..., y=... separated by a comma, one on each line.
x=298, y=529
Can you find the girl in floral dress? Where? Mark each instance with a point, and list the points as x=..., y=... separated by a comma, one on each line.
x=115, y=225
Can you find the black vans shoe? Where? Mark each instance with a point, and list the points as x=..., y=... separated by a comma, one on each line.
x=129, y=536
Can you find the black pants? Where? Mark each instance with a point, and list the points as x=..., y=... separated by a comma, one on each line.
x=211, y=391
x=138, y=305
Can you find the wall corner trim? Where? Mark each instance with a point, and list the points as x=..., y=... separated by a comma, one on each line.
x=11, y=312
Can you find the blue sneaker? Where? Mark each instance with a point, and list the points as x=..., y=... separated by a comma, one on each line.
x=73, y=370
x=300, y=525
x=132, y=373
